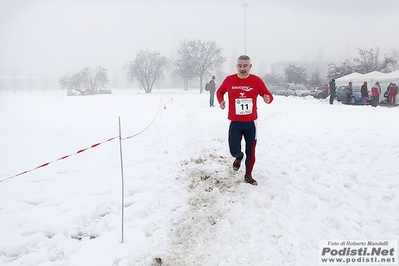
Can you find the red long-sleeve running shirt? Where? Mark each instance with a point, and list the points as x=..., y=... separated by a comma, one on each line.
x=242, y=94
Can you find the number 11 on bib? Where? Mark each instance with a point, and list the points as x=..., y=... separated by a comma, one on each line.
x=244, y=106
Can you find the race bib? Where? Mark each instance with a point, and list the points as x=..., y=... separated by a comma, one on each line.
x=244, y=106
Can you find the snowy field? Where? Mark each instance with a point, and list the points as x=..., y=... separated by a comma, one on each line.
x=325, y=172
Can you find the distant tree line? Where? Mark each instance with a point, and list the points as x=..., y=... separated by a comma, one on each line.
x=198, y=59
x=367, y=61
x=293, y=74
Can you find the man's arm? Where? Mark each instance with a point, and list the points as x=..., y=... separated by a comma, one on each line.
x=267, y=95
x=221, y=91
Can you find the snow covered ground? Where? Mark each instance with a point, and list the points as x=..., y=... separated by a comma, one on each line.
x=325, y=172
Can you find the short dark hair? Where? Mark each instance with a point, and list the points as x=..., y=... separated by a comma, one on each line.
x=244, y=57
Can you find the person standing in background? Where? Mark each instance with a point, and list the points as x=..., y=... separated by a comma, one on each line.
x=375, y=93
x=386, y=94
x=364, y=93
x=333, y=87
x=325, y=91
x=212, y=89
x=349, y=93
x=393, y=91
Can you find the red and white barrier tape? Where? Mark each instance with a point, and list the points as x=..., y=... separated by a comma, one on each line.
x=135, y=135
x=170, y=100
x=63, y=157
x=92, y=146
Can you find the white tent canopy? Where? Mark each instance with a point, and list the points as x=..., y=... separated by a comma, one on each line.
x=392, y=77
x=354, y=77
x=374, y=75
x=371, y=78
x=350, y=77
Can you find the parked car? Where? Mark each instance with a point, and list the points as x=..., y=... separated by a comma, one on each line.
x=290, y=89
x=278, y=90
x=340, y=95
x=301, y=90
x=297, y=90
x=318, y=93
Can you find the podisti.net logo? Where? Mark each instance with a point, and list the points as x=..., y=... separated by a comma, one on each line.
x=358, y=252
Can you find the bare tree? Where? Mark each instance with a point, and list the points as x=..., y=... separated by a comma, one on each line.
x=296, y=74
x=72, y=83
x=395, y=57
x=370, y=60
x=344, y=69
x=85, y=82
x=315, y=79
x=94, y=80
x=185, y=74
x=147, y=68
x=199, y=58
x=272, y=79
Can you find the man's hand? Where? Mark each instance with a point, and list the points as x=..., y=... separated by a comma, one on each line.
x=222, y=105
x=266, y=98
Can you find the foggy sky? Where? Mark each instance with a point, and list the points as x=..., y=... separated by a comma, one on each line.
x=44, y=36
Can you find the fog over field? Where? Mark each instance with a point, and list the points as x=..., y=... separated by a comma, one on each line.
x=58, y=37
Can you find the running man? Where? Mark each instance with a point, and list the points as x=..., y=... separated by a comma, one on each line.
x=243, y=89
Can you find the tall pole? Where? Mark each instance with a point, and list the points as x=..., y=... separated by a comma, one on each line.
x=245, y=5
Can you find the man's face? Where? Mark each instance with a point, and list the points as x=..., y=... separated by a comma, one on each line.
x=243, y=67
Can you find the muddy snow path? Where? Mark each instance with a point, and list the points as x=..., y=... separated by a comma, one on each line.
x=220, y=207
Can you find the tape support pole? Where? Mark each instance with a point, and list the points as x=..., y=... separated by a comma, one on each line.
x=123, y=180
